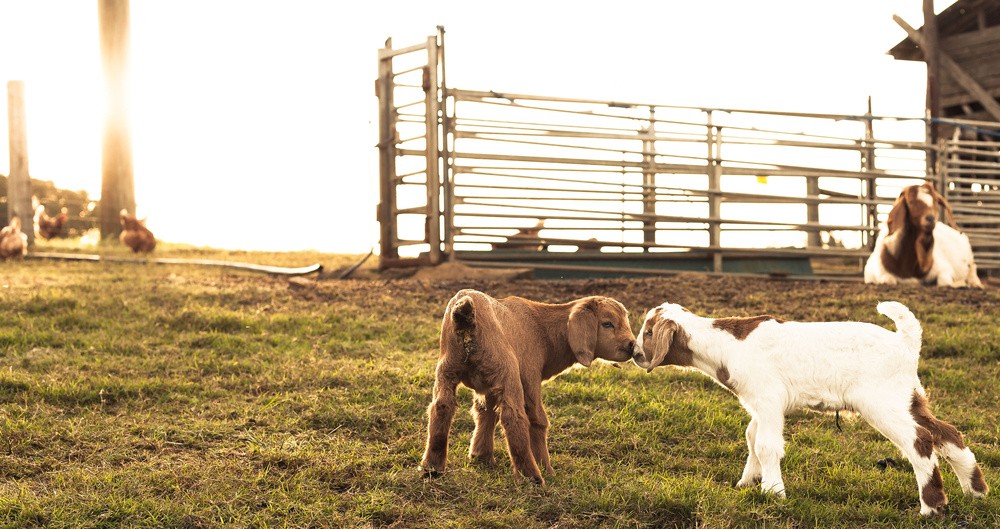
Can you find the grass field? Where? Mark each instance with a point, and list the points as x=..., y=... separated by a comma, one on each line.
x=140, y=395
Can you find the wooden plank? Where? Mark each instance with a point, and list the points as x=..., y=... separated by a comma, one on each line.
x=953, y=69
x=971, y=40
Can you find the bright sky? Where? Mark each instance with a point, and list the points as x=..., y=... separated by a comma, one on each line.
x=254, y=122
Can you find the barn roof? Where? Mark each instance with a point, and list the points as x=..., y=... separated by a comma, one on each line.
x=963, y=16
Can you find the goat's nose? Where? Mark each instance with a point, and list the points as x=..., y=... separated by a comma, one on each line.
x=631, y=347
x=930, y=219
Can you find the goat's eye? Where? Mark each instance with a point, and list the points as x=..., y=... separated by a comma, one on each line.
x=608, y=325
x=649, y=332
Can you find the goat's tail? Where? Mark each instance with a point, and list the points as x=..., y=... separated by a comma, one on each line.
x=463, y=315
x=906, y=323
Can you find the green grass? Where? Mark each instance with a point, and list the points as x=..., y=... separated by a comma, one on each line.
x=139, y=395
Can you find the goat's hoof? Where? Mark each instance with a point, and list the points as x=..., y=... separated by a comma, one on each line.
x=487, y=461
x=747, y=482
x=931, y=511
x=886, y=463
x=534, y=480
x=777, y=490
x=429, y=471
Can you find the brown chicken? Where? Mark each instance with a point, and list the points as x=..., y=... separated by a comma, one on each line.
x=13, y=242
x=48, y=227
x=135, y=235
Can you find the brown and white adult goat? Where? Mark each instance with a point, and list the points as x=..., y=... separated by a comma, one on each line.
x=914, y=246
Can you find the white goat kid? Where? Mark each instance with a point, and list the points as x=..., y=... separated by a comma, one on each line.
x=774, y=367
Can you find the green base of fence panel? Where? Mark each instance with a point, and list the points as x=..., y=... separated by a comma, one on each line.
x=557, y=265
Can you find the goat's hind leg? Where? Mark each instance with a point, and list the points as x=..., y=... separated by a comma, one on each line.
x=484, y=412
x=950, y=446
x=915, y=442
x=440, y=413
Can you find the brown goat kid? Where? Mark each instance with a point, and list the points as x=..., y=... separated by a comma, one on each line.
x=503, y=350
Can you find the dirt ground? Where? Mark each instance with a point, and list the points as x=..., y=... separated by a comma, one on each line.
x=716, y=295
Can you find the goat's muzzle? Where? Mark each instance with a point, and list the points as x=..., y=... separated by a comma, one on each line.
x=928, y=223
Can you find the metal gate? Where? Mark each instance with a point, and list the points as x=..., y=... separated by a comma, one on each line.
x=970, y=169
x=411, y=93
x=552, y=182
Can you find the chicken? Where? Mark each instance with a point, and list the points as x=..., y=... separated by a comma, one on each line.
x=48, y=227
x=135, y=235
x=13, y=242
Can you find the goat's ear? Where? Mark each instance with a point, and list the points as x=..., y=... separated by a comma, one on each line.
x=582, y=331
x=663, y=338
x=897, y=215
x=949, y=215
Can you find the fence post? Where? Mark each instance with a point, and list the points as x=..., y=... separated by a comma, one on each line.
x=433, y=159
x=447, y=177
x=649, y=181
x=388, y=249
x=813, y=239
x=868, y=166
x=714, y=193
x=19, y=180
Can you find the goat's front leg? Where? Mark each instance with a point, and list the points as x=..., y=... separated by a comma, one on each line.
x=539, y=424
x=517, y=428
x=946, y=278
x=751, y=472
x=769, y=446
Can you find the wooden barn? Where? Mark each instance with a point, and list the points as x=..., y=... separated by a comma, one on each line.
x=964, y=78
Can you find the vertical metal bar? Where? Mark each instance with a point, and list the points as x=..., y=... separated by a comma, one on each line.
x=649, y=180
x=714, y=192
x=386, y=213
x=432, y=107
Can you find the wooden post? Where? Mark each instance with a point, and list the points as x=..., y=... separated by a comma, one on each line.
x=388, y=248
x=448, y=176
x=117, y=185
x=649, y=180
x=813, y=240
x=867, y=167
x=19, y=180
x=714, y=193
x=432, y=158
x=931, y=57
